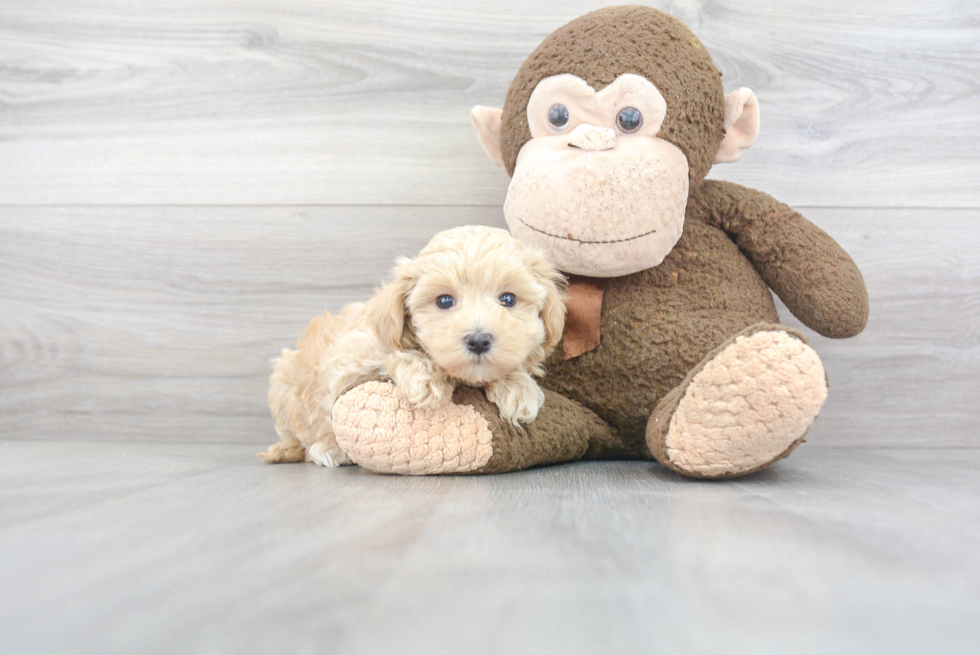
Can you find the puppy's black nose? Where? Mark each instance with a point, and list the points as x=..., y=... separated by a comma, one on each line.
x=479, y=342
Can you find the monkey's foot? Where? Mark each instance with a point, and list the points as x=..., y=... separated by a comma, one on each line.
x=745, y=406
x=383, y=432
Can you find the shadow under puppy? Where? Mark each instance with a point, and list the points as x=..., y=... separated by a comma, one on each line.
x=476, y=307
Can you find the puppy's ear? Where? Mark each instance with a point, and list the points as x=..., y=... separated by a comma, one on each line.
x=553, y=310
x=386, y=310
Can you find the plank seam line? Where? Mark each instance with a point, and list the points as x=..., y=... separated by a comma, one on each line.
x=422, y=205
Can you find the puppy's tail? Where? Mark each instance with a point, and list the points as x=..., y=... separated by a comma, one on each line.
x=284, y=452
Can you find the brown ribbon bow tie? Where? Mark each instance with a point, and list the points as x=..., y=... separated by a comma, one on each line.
x=582, y=318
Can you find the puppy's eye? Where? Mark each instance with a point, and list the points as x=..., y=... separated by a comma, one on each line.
x=629, y=119
x=558, y=116
x=445, y=301
x=508, y=299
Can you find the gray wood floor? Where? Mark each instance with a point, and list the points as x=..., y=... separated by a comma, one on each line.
x=198, y=548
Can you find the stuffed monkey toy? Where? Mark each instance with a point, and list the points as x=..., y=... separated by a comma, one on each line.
x=672, y=348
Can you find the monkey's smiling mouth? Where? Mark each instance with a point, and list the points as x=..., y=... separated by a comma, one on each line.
x=556, y=236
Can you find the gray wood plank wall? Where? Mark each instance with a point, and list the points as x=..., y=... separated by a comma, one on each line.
x=184, y=185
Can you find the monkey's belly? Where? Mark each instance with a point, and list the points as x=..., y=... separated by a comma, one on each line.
x=658, y=324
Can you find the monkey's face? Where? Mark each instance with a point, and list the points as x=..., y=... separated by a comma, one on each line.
x=600, y=179
x=595, y=186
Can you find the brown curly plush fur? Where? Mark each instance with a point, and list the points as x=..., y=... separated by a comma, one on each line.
x=659, y=324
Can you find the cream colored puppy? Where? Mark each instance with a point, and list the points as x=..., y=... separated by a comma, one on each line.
x=476, y=307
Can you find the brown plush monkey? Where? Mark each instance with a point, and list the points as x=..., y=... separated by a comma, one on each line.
x=673, y=349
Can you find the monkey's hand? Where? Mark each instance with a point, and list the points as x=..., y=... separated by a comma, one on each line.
x=517, y=396
x=418, y=379
x=807, y=269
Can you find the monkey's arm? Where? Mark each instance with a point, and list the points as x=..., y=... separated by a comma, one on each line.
x=807, y=269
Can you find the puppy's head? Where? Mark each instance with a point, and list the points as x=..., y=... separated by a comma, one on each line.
x=478, y=301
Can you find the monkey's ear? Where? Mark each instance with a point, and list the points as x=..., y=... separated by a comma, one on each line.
x=487, y=121
x=741, y=125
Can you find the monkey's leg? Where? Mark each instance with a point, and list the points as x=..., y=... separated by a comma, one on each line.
x=747, y=404
x=382, y=432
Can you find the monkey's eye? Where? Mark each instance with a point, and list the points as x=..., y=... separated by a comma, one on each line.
x=558, y=116
x=629, y=119
x=445, y=301
x=508, y=299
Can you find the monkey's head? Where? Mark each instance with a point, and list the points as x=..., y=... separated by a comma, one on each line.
x=606, y=128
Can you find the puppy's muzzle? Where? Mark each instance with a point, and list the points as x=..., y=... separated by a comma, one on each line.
x=478, y=342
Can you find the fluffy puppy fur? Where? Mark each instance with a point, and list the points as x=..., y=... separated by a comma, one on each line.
x=506, y=299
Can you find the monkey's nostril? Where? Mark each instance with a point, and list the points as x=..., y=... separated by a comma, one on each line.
x=572, y=145
x=478, y=342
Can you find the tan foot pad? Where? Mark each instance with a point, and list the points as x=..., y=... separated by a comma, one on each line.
x=747, y=406
x=382, y=432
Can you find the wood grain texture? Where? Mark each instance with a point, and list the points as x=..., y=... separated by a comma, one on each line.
x=367, y=101
x=159, y=322
x=184, y=548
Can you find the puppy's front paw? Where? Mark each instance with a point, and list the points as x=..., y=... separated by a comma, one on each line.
x=518, y=397
x=418, y=380
x=426, y=392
